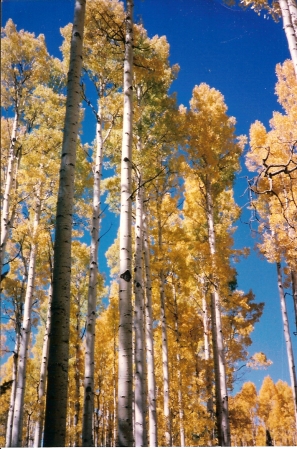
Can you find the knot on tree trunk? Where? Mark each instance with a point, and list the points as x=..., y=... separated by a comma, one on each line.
x=126, y=276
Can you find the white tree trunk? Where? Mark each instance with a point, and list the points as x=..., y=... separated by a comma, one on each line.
x=217, y=337
x=77, y=379
x=292, y=369
x=125, y=394
x=57, y=390
x=87, y=433
x=140, y=432
x=13, y=390
x=293, y=13
x=207, y=350
x=17, y=428
x=43, y=372
x=18, y=324
x=7, y=215
x=179, y=374
x=151, y=380
x=165, y=361
x=294, y=292
x=289, y=29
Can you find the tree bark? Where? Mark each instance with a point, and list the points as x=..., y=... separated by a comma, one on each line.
x=43, y=372
x=13, y=389
x=125, y=393
x=165, y=361
x=289, y=29
x=140, y=432
x=292, y=369
x=217, y=338
x=18, y=323
x=87, y=432
x=293, y=13
x=294, y=292
x=179, y=374
x=151, y=380
x=57, y=391
x=207, y=351
x=17, y=428
x=7, y=215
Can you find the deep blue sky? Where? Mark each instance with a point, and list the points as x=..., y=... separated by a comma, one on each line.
x=232, y=50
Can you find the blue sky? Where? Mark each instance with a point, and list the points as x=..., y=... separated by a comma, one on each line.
x=234, y=51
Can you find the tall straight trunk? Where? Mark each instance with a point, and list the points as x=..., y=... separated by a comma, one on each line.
x=87, y=432
x=125, y=393
x=151, y=380
x=18, y=323
x=179, y=374
x=207, y=351
x=76, y=392
x=13, y=389
x=294, y=293
x=290, y=27
x=57, y=391
x=217, y=338
x=7, y=215
x=17, y=427
x=43, y=372
x=293, y=13
x=292, y=369
x=165, y=360
x=140, y=431
x=114, y=389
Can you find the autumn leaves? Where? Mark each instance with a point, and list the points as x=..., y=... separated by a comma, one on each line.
x=159, y=368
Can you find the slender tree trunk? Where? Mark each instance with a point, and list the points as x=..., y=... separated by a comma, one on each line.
x=179, y=374
x=165, y=361
x=152, y=404
x=17, y=428
x=114, y=393
x=293, y=13
x=7, y=215
x=87, y=433
x=43, y=372
x=125, y=392
x=13, y=389
x=294, y=292
x=18, y=324
x=207, y=351
x=292, y=369
x=217, y=338
x=57, y=391
x=77, y=410
x=290, y=28
x=140, y=433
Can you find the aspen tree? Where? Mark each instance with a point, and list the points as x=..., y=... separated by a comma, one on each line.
x=272, y=155
x=43, y=371
x=140, y=433
x=57, y=390
x=207, y=351
x=179, y=375
x=22, y=60
x=243, y=416
x=125, y=430
x=290, y=355
x=163, y=319
x=18, y=318
x=212, y=141
x=16, y=437
x=150, y=353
